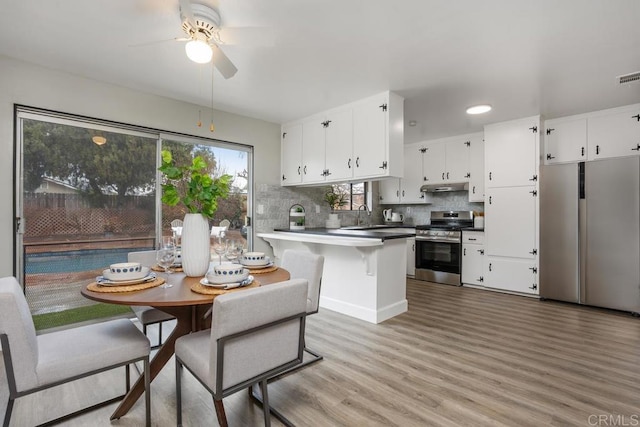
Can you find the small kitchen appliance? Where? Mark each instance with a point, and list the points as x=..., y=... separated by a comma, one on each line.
x=439, y=246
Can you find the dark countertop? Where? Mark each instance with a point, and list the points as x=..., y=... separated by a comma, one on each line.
x=367, y=233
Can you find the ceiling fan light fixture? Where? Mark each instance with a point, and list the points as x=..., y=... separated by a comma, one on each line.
x=198, y=51
x=479, y=109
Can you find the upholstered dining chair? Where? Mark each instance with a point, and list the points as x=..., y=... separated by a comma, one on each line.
x=255, y=334
x=306, y=265
x=38, y=362
x=145, y=314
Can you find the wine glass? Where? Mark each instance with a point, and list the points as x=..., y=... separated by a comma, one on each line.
x=233, y=250
x=220, y=247
x=166, y=256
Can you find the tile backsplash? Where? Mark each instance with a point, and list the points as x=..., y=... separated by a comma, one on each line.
x=274, y=201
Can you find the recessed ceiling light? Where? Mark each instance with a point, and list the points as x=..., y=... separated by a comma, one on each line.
x=479, y=109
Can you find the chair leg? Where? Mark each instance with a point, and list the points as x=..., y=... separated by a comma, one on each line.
x=265, y=403
x=147, y=391
x=127, y=378
x=7, y=413
x=259, y=399
x=222, y=417
x=178, y=393
x=160, y=334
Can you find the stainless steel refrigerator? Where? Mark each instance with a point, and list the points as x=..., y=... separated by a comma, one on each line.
x=590, y=233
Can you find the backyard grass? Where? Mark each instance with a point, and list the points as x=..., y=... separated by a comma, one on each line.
x=80, y=314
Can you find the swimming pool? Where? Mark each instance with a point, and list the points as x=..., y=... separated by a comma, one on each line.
x=74, y=261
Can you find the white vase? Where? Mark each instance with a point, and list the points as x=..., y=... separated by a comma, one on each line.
x=195, y=245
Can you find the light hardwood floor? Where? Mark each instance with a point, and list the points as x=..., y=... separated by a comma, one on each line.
x=459, y=356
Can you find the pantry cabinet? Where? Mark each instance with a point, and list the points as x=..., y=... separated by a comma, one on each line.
x=476, y=168
x=362, y=140
x=511, y=152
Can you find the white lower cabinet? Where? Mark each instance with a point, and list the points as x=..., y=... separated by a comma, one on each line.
x=472, y=258
x=411, y=256
x=515, y=275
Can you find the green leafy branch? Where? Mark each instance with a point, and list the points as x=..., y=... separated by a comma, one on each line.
x=192, y=185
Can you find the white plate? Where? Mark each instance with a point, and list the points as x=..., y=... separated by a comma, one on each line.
x=245, y=282
x=259, y=267
x=103, y=281
x=267, y=260
x=113, y=277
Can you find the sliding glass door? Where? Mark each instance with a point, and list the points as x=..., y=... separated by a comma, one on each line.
x=87, y=195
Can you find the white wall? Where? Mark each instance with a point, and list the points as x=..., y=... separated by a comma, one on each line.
x=27, y=84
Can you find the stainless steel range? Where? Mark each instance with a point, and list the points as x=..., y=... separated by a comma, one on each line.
x=439, y=246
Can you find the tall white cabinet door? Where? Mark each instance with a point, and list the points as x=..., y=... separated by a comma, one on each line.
x=511, y=152
x=291, y=154
x=476, y=169
x=339, y=145
x=313, y=150
x=434, y=163
x=412, y=181
x=370, y=136
x=614, y=135
x=510, y=222
x=565, y=141
x=457, y=161
x=515, y=275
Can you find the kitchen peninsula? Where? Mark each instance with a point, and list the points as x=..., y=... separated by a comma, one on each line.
x=364, y=270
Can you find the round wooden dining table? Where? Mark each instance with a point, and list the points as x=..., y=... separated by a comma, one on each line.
x=188, y=307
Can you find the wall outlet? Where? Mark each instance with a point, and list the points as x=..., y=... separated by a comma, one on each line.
x=408, y=210
x=317, y=208
x=260, y=209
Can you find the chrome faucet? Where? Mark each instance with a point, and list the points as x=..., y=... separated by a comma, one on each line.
x=366, y=208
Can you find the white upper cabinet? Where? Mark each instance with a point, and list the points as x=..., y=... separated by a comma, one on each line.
x=614, y=133
x=378, y=136
x=313, y=151
x=565, y=141
x=406, y=189
x=291, y=154
x=476, y=168
x=363, y=140
x=434, y=163
x=339, y=147
x=447, y=160
x=511, y=152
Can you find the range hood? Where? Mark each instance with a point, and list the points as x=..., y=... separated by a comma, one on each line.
x=443, y=188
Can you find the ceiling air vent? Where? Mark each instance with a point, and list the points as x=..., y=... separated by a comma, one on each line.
x=629, y=78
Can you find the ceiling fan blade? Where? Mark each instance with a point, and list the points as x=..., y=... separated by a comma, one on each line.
x=186, y=13
x=175, y=39
x=223, y=63
x=247, y=36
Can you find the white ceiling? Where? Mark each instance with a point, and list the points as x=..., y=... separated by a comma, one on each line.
x=548, y=57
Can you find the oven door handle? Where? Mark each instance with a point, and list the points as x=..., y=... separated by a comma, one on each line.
x=438, y=240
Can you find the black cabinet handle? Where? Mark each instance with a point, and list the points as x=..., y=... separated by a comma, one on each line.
x=637, y=148
x=637, y=117
x=549, y=131
x=402, y=193
x=473, y=190
x=481, y=251
x=305, y=169
x=582, y=151
x=298, y=170
x=447, y=175
x=443, y=176
x=549, y=157
x=490, y=199
x=597, y=149
x=357, y=162
x=472, y=239
x=489, y=176
x=464, y=252
x=489, y=266
x=349, y=163
x=283, y=177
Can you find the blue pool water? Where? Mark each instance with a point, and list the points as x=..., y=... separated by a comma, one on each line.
x=74, y=261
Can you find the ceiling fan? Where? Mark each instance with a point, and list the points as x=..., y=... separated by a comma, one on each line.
x=202, y=26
